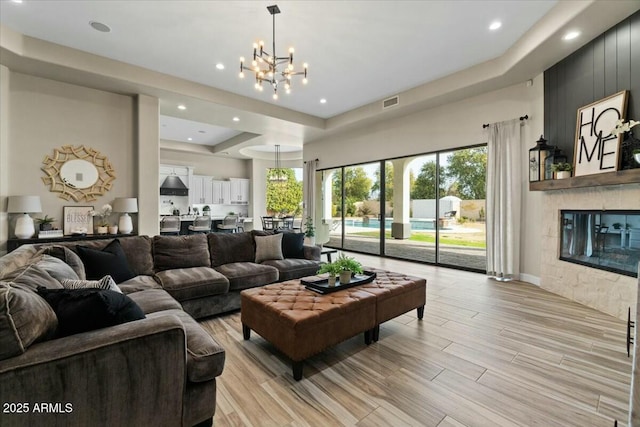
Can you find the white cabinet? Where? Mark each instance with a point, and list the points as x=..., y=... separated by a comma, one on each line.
x=200, y=190
x=221, y=192
x=239, y=191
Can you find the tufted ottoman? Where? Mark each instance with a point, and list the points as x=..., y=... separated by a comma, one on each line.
x=301, y=323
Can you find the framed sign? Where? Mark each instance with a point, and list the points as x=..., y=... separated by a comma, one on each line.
x=77, y=220
x=596, y=149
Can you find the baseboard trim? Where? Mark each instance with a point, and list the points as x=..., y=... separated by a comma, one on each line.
x=530, y=278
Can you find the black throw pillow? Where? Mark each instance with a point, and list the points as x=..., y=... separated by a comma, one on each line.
x=292, y=245
x=81, y=310
x=109, y=261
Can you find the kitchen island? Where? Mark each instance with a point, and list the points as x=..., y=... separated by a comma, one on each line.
x=187, y=220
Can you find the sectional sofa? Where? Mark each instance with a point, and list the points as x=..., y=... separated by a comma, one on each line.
x=160, y=370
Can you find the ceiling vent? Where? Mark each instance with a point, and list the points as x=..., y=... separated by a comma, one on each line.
x=390, y=102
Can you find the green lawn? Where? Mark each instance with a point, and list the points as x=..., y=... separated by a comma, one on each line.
x=445, y=239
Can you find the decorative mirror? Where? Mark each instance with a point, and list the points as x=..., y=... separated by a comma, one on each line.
x=78, y=173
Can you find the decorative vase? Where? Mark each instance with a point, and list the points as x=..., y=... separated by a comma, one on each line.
x=563, y=174
x=113, y=229
x=636, y=157
x=332, y=280
x=345, y=277
x=102, y=230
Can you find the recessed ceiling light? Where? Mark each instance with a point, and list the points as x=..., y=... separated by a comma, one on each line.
x=99, y=26
x=323, y=101
x=495, y=25
x=189, y=139
x=571, y=35
x=16, y=1
x=236, y=119
x=181, y=107
x=220, y=66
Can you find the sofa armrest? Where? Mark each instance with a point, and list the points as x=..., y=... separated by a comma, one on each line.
x=129, y=374
x=312, y=252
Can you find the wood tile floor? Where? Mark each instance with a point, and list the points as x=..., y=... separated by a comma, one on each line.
x=485, y=354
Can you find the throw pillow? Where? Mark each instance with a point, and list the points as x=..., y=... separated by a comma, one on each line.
x=68, y=256
x=293, y=245
x=109, y=261
x=25, y=318
x=82, y=310
x=105, y=283
x=56, y=268
x=268, y=248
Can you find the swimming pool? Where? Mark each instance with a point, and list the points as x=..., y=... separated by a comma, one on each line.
x=416, y=224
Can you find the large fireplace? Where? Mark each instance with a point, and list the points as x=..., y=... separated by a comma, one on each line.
x=607, y=240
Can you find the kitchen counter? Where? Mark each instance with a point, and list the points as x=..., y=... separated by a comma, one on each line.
x=213, y=218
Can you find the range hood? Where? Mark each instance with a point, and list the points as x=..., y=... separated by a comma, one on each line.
x=173, y=186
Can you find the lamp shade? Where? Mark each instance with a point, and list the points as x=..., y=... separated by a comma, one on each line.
x=24, y=204
x=125, y=204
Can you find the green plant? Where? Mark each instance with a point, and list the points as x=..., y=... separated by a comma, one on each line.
x=206, y=208
x=309, y=229
x=364, y=210
x=45, y=220
x=562, y=167
x=636, y=151
x=332, y=268
x=346, y=263
x=617, y=225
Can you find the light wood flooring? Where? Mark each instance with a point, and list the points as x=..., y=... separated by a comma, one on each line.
x=486, y=354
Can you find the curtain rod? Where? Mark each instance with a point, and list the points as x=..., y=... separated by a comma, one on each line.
x=525, y=117
x=315, y=160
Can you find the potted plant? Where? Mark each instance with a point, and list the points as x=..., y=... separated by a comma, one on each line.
x=102, y=215
x=206, y=210
x=562, y=170
x=310, y=231
x=332, y=269
x=636, y=155
x=348, y=267
x=617, y=225
x=45, y=223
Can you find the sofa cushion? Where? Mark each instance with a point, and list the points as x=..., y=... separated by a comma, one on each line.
x=292, y=245
x=294, y=268
x=180, y=252
x=56, y=268
x=139, y=283
x=16, y=259
x=152, y=300
x=68, y=256
x=24, y=319
x=268, y=247
x=81, y=310
x=226, y=248
x=111, y=260
x=105, y=283
x=195, y=282
x=243, y=275
x=205, y=357
x=31, y=276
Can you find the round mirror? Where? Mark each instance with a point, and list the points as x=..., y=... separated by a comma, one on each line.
x=79, y=173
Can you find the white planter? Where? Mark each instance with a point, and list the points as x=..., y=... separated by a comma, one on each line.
x=345, y=277
x=332, y=280
x=563, y=174
x=637, y=157
x=113, y=229
x=102, y=230
x=310, y=240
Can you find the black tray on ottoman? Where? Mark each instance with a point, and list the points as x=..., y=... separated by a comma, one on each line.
x=322, y=286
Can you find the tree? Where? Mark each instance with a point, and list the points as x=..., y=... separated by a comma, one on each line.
x=424, y=186
x=357, y=185
x=388, y=183
x=466, y=173
x=283, y=196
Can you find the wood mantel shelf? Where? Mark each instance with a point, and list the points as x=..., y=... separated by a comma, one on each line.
x=629, y=176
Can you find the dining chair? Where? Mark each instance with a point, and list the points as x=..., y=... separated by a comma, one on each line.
x=201, y=224
x=267, y=223
x=287, y=223
x=229, y=224
x=170, y=225
x=297, y=224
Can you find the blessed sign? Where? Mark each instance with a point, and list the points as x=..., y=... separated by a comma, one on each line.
x=596, y=149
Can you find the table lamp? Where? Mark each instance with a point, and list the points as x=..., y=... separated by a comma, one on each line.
x=125, y=205
x=25, y=205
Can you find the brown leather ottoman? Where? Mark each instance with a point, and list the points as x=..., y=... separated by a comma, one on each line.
x=396, y=294
x=301, y=323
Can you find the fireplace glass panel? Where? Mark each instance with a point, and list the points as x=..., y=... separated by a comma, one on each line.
x=607, y=240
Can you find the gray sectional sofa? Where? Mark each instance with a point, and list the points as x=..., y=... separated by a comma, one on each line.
x=160, y=370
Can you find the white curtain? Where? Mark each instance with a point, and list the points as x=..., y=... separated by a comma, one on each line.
x=504, y=183
x=309, y=190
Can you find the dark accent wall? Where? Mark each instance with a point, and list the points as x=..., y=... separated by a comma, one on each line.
x=608, y=64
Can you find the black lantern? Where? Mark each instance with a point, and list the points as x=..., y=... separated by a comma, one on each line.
x=537, y=157
x=556, y=156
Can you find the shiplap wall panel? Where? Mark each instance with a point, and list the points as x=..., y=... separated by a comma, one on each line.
x=606, y=65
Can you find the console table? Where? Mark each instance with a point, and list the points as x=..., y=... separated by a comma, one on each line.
x=13, y=244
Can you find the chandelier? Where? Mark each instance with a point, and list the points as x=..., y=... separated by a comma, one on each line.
x=271, y=68
x=278, y=174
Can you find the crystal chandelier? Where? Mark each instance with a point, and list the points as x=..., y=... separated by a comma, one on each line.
x=271, y=68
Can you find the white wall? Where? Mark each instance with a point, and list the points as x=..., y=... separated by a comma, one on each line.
x=449, y=126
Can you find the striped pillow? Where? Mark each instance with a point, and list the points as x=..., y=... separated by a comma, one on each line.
x=106, y=282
